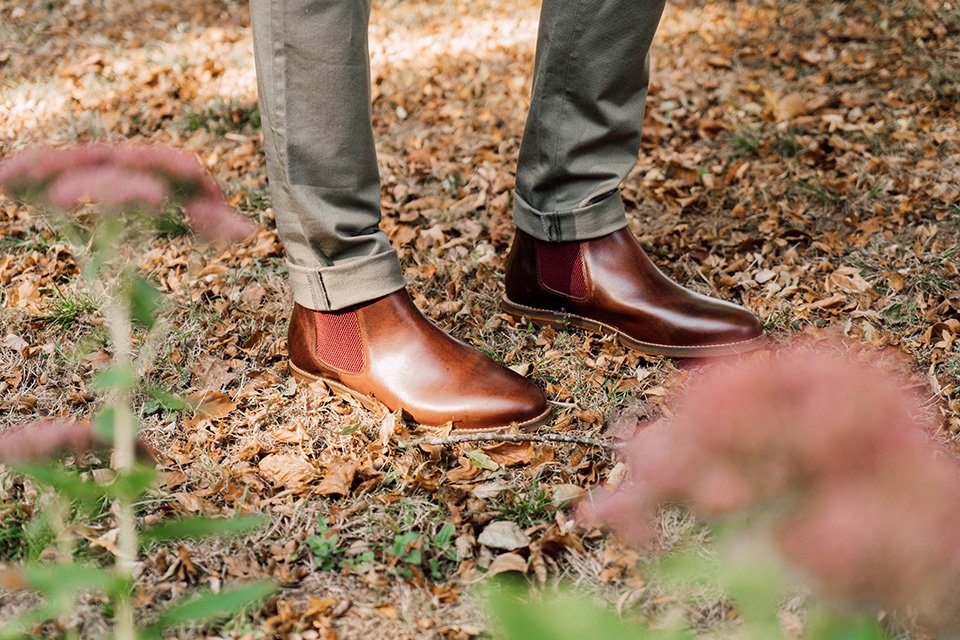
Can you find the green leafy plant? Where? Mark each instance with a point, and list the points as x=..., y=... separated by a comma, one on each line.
x=405, y=548
x=324, y=546
x=405, y=551
x=105, y=200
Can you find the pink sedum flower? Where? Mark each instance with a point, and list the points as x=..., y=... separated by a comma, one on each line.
x=837, y=448
x=45, y=439
x=118, y=177
x=213, y=219
x=108, y=186
x=52, y=438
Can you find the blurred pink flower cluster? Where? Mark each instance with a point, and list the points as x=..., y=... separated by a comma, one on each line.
x=117, y=177
x=53, y=438
x=838, y=450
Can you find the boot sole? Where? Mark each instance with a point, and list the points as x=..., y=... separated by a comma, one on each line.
x=370, y=403
x=561, y=320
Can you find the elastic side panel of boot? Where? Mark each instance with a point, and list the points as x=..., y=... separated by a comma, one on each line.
x=561, y=268
x=338, y=340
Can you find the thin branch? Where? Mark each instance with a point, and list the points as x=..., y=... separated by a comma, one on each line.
x=513, y=437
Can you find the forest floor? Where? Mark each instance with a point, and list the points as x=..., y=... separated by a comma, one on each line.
x=800, y=158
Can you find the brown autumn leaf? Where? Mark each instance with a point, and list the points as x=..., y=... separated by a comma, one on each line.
x=338, y=478
x=947, y=329
x=505, y=535
x=510, y=454
x=387, y=611
x=566, y=494
x=388, y=428
x=107, y=541
x=13, y=341
x=212, y=404
x=790, y=106
x=542, y=454
x=848, y=279
x=687, y=175
x=191, y=502
x=824, y=303
x=287, y=470
x=292, y=433
x=253, y=295
x=719, y=62
x=507, y=563
x=896, y=281
x=319, y=606
x=464, y=472
x=213, y=373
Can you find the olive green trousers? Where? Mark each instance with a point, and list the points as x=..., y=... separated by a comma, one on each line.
x=581, y=139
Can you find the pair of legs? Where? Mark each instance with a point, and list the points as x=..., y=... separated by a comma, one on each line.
x=573, y=261
x=581, y=140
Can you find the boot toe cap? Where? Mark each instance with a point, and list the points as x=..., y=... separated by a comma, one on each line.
x=742, y=326
x=518, y=403
x=504, y=400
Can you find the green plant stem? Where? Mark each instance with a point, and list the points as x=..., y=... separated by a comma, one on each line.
x=57, y=514
x=124, y=459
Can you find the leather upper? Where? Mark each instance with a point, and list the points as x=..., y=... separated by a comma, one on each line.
x=410, y=364
x=625, y=290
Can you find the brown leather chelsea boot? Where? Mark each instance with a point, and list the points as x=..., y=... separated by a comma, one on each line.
x=609, y=285
x=387, y=352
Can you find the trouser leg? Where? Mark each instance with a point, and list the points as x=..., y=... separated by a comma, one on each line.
x=313, y=78
x=583, y=130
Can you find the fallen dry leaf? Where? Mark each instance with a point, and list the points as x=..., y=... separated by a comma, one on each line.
x=510, y=454
x=293, y=433
x=212, y=404
x=107, y=541
x=503, y=534
x=338, y=478
x=388, y=428
x=507, y=563
x=849, y=279
x=790, y=106
x=287, y=470
x=489, y=490
x=566, y=494
x=523, y=368
x=190, y=502
x=13, y=341
x=465, y=472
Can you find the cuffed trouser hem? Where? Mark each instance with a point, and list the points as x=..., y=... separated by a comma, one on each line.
x=585, y=223
x=348, y=283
